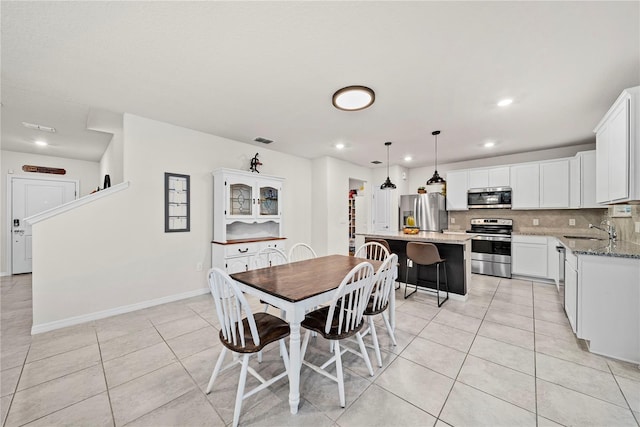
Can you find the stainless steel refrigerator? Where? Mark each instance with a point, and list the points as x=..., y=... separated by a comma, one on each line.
x=427, y=210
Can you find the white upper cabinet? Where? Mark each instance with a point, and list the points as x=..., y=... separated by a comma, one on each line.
x=499, y=177
x=457, y=186
x=554, y=184
x=525, y=182
x=618, y=150
x=246, y=206
x=489, y=177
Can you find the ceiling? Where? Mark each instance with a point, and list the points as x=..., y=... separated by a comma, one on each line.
x=246, y=69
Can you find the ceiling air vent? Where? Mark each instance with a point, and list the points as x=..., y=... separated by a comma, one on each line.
x=376, y=162
x=263, y=140
x=38, y=127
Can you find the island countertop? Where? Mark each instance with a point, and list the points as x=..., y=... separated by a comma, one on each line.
x=424, y=236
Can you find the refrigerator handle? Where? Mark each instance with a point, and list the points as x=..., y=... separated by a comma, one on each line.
x=418, y=210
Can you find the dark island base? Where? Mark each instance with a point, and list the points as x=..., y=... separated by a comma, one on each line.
x=453, y=253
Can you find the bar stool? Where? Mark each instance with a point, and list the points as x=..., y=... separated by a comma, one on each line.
x=426, y=254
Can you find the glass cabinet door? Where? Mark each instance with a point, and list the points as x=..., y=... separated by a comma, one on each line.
x=268, y=200
x=240, y=199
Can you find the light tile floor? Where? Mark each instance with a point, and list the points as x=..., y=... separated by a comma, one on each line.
x=505, y=357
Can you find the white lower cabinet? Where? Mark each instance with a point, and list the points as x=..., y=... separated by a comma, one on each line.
x=571, y=290
x=236, y=257
x=529, y=256
x=608, y=305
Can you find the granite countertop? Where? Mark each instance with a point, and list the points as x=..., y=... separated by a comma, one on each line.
x=459, y=237
x=597, y=244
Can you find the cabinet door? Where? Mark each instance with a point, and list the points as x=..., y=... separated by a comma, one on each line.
x=499, y=177
x=529, y=259
x=602, y=164
x=588, y=180
x=525, y=182
x=571, y=295
x=619, y=152
x=457, y=186
x=268, y=199
x=241, y=197
x=381, y=210
x=237, y=265
x=575, y=182
x=554, y=184
x=479, y=178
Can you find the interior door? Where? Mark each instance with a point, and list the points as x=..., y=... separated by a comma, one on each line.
x=30, y=197
x=381, y=210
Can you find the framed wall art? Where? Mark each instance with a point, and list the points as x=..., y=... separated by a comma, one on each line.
x=177, y=204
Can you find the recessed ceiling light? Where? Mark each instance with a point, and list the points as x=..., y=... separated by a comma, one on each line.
x=353, y=98
x=505, y=102
x=38, y=127
x=339, y=146
x=41, y=143
x=408, y=158
x=489, y=144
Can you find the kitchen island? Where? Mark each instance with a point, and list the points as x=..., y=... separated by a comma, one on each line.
x=455, y=247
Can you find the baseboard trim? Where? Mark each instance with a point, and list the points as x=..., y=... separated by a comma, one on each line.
x=4, y=273
x=76, y=320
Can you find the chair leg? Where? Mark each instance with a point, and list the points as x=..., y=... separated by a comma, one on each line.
x=444, y=267
x=260, y=356
x=365, y=355
x=216, y=370
x=240, y=393
x=406, y=283
x=339, y=373
x=389, y=329
x=374, y=337
x=285, y=355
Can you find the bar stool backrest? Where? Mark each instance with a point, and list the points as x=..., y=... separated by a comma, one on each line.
x=423, y=253
x=382, y=242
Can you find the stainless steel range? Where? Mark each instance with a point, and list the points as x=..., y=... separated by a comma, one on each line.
x=491, y=248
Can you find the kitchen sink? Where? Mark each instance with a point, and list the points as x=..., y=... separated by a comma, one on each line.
x=582, y=238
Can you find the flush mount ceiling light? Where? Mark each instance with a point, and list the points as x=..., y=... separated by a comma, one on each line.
x=339, y=146
x=41, y=143
x=505, y=102
x=408, y=158
x=489, y=144
x=387, y=185
x=353, y=98
x=38, y=127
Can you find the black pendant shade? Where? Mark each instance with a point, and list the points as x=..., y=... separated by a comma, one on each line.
x=436, y=179
x=387, y=185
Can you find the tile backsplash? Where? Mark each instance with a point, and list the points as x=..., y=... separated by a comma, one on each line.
x=548, y=219
x=625, y=227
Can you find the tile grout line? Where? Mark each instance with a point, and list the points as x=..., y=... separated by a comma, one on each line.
x=15, y=390
x=104, y=375
x=623, y=395
x=455, y=380
x=535, y=353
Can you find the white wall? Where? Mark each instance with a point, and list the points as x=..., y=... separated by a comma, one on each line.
x=113, y=253
x=419, y=176
x=87, y=173
x=111, y=162
x=330, y=202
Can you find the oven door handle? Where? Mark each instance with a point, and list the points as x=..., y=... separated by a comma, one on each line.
x=492, y=238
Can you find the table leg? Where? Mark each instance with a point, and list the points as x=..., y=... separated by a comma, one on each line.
x=294, y=367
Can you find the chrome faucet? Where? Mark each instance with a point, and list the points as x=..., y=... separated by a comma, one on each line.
x=610, y=230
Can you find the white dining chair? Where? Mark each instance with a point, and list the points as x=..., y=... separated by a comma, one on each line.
x=379, y=302
x=372, y=250
x=301, y=252
x=268, y=257
x=244, y=334
x=343, y=318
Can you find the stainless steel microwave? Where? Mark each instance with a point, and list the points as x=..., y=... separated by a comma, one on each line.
x=489, y=198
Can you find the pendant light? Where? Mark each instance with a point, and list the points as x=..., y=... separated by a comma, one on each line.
x=436, y=181
x=387, y=185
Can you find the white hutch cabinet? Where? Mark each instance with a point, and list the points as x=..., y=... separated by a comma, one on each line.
x=247, y=216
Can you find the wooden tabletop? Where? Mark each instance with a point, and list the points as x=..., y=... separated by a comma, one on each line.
x=297, y=281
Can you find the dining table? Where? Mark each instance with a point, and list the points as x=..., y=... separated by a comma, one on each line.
x=296, y=288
